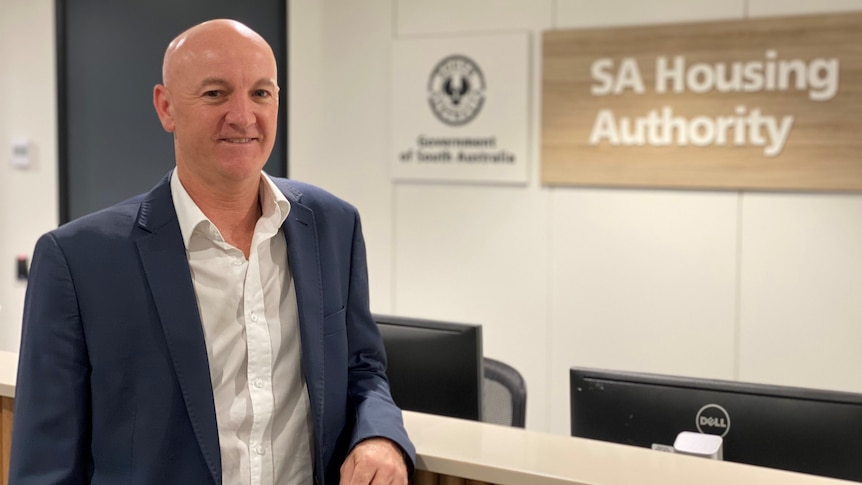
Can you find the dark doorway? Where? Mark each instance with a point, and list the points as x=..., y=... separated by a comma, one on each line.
x=111, y=145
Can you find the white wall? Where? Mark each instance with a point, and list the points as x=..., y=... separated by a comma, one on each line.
x=28, y=106
x=754, y=286
x=338, y=102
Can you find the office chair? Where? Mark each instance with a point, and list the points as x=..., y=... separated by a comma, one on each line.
x=504, y=394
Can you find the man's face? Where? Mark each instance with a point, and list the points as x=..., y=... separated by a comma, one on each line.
x=221, y=103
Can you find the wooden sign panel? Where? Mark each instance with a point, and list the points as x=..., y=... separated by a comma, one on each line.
x=771, y=104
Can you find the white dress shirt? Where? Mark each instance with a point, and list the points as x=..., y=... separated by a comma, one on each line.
x=250, y=323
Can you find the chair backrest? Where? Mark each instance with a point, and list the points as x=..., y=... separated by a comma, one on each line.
x=504, y=398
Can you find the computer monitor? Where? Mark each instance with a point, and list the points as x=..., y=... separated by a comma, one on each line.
x=434, y=367
x=804, y=430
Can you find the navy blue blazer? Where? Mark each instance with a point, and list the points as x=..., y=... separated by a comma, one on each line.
x=113, y=379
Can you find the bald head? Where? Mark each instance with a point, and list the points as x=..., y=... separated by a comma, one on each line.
x=219, y=98
x=205, y=38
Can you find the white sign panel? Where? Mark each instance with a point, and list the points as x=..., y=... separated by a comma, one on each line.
x=460, y=109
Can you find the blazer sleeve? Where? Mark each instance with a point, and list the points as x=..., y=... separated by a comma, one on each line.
x=50, y=433
x=376, y=413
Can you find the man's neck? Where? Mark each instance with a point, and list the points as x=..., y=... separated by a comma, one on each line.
x=233, y=211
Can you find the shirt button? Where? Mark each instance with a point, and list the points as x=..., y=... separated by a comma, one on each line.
x=237, y=262
x=253, y=317
x=258, y=383
x=259, y=450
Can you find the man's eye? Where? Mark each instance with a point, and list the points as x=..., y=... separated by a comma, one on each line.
x=261, y=93
x=211, y=94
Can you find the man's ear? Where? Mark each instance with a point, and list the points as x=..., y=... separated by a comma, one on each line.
x=164, y=107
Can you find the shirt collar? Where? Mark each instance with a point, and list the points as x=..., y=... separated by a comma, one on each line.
x=274, y=203
x=274, y=206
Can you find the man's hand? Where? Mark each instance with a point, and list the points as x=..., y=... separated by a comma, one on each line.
x=375, y=461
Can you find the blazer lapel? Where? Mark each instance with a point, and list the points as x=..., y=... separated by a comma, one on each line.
x=304, y=260
x=166, y=267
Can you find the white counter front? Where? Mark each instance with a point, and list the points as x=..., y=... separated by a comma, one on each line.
x=8, y=373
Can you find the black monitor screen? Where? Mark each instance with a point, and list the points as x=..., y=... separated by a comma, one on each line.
x=434, y=367
x=803, y=430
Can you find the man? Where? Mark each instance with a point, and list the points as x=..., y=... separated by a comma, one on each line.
x=215, y=329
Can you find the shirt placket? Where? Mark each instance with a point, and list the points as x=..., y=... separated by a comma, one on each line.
x=259, y=348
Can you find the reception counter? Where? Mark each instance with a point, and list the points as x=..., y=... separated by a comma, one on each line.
x=500, y=455
x=457, y=452
x=8, y=370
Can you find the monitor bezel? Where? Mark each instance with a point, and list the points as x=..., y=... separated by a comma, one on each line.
x=655, y=389
x=474, y=330
x=709, y=384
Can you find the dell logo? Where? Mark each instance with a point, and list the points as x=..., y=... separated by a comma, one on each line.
x=713, y=422
x=713, y=419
